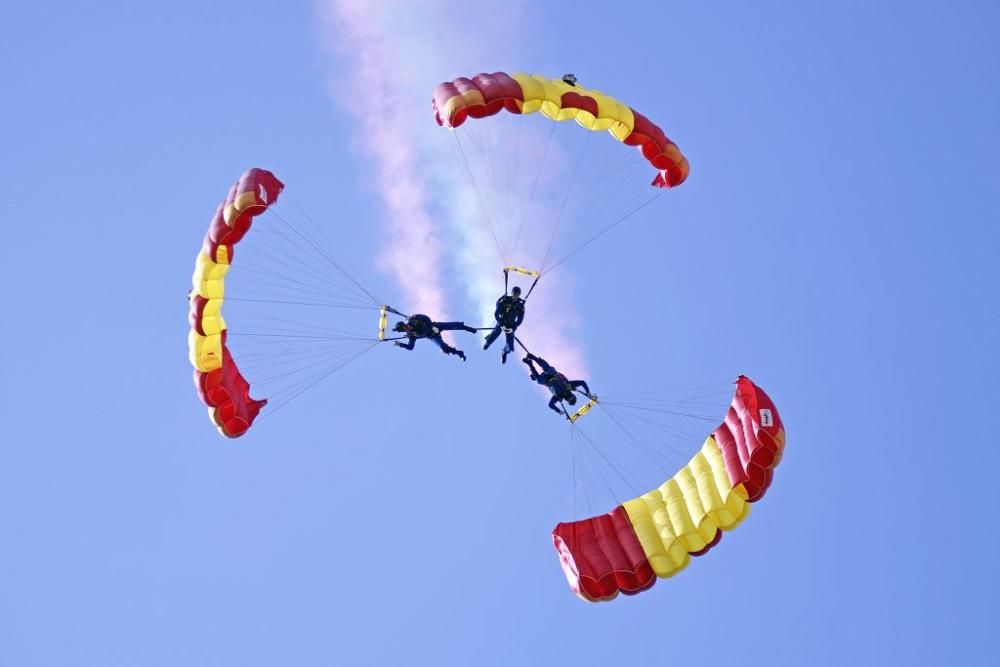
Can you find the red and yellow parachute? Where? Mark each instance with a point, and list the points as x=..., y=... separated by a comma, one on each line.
x=487, y=94
x=627, y=549
x=656, y=534
x=219, y=382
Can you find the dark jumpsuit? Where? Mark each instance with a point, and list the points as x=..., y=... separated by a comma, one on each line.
x=509, y=313
x=421, y=326
x=556, y=382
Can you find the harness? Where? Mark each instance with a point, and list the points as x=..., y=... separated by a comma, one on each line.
x=510, y=308
x=421, y=327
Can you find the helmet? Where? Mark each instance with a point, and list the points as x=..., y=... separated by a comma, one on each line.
x=571, y=399
x=400, y=326
x=516, y=291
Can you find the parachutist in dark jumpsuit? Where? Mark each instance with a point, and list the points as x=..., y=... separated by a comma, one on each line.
x=509, y=314
x=561, y=388
x=421, y=326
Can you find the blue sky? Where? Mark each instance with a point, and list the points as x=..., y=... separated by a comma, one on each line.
x=834, y=242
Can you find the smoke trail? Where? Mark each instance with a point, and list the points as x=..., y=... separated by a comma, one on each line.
x=394, y=53
x=372, y=92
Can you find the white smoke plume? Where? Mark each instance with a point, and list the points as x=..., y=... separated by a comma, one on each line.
x=391, y=55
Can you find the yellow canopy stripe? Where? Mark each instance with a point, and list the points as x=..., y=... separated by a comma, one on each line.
x=208, y=282
x=546, y=95
x=685, y=513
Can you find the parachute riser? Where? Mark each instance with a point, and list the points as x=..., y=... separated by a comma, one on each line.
x=584, y=409
x=383, y=321
x=523, y=271
x=518, y=341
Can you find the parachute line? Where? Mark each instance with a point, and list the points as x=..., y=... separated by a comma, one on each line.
x=534, y=187
x=569, y=191
x=482, y=202
x=605, y=230
x=319, y=378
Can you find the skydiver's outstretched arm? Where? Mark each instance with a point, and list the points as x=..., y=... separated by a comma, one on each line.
x=552, y=405
x=408, y=345
x=575, y=384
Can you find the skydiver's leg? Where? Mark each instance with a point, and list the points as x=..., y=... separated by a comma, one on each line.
x=508, y=348
x=492, y=336
x=408, y=345
x=447, y=349
x=443, y=345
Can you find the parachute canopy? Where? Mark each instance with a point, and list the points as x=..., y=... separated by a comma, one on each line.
x=220, y=384
x=487, y=94
x=655, y=534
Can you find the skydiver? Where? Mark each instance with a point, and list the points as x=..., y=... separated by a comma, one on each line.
x=562, y=389
x=509, y=314
x=421, y=326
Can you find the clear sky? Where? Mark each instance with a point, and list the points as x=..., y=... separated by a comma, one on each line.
x=835, y=241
